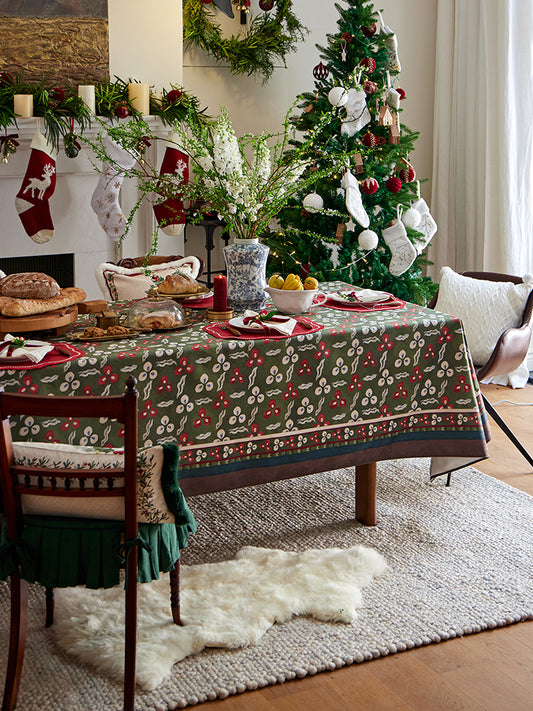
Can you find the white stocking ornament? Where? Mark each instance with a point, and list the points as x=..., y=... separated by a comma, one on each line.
x=427, y=226
x=401, y=247
x=391, y=45
x=105, y=197
x=354, y=203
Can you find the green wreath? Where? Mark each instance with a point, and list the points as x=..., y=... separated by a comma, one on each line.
x=269, y=37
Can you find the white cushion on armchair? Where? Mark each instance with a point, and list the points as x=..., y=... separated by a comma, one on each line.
x=486, y=309
x=122, y=284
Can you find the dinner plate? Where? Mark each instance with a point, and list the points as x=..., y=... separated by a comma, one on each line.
x=11, y=359
x=364, y=296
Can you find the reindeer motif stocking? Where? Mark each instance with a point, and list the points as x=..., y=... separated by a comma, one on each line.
x=37, y=188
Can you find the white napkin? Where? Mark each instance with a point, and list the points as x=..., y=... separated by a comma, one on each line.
x=34, y=351
x=370, y=296
x=285, y=326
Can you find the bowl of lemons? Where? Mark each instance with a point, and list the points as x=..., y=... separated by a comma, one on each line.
x=291, y=295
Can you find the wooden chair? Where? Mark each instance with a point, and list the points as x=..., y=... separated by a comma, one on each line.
x=510, y=350
x=21, y=481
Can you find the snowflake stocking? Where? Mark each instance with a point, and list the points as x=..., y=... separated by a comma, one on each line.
x=401, y=247
x=391, y=45
x=37, y=188
x=170, y=213
x=427, y=225
x=105, y=197
x=354, y=203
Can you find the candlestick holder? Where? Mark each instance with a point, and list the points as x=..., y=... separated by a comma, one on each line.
x=213, y=315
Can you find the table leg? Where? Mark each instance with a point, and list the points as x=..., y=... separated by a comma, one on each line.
x=365, y=494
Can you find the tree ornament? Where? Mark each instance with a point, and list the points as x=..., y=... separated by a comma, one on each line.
x=367, y=240
x=369, y=87
x=411, y=218
x=427, y=225
x=393, y=184
x=401, y=92
x=8, y=145
x=122, y=111
x=337, y=96
x=354, y=203
x=320, y=71
x=407, y=174
x=347, y=37
x=368, y=63
x=402, y=249
x=266, y=5
x=369, y=186
x=313, y=202
x=370, y=140
x=173, y=96
x=370, y=30
x=72, y=146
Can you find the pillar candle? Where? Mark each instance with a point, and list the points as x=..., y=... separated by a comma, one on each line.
x=23, y=105
x=139, y=96
x=220, y=293
x=86, y=92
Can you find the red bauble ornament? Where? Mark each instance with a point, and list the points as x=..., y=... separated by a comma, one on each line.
x=368, y=63
x=394, y=184
x=122, y=111
x=370, y=140
x=266, y=5
x=407, y=175
x=370, y=30
x=173, y=96
x=369, y=87
x=347, y=37
x=6, y=79
x=320, y=71
x=401, y=92
x=369, y=186
x=57, y=95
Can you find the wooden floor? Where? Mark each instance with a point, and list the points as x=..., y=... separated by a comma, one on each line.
x=491, y=671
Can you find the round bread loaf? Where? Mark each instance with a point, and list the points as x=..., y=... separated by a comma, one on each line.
x=29, y=285
x=178, y=283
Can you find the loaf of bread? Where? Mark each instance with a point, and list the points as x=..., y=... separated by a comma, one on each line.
x=29, y=285
x=10, y=306
x=178, y=283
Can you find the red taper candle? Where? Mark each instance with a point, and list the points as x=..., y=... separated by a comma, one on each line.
x=220, y=293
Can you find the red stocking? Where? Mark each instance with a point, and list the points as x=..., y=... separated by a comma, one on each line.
x=37, y=188
x=170, y=213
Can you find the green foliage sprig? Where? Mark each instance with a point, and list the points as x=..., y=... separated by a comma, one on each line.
x=268, y=39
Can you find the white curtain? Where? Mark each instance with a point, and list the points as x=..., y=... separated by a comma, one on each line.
x=482, y=188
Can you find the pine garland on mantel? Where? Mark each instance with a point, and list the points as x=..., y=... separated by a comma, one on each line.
x=59, y=107
x=268, y=38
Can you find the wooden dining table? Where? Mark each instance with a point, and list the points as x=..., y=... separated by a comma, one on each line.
x=367, y=385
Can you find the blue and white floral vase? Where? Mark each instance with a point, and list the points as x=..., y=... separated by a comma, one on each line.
x=246, y=261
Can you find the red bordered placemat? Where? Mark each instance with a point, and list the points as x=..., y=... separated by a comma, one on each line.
x=54, y=357
x=205, y=303
x=219, y=330
x=392, y=303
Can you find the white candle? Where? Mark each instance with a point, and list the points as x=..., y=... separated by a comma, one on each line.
x=139, y=95
x=86, y=92
x=23, y=105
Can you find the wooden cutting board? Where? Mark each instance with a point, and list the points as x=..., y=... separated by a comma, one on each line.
x=58, y=321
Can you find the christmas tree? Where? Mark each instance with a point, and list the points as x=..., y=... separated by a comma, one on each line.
x=367, y=225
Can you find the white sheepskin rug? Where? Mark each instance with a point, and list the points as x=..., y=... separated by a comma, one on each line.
x=229, y=604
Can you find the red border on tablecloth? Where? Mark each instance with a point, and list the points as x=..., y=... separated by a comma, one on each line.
x=53, y=357
x=392, y=303
x=218, y=330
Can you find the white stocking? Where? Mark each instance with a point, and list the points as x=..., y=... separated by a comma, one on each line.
x=427, y=225
x=401, y=247
x=354, y=203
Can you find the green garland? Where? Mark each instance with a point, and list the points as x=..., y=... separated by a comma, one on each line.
x=269, y=37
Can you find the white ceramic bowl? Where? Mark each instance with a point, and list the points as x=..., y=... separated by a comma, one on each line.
x=290, y=301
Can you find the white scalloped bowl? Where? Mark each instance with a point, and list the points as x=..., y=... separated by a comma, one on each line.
x=290, y=301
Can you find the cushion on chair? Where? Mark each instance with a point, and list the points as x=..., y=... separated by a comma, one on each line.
x=486, y=308
x=154, y=480
x=122, y=284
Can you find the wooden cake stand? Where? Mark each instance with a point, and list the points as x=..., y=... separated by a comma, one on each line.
x=58, y=321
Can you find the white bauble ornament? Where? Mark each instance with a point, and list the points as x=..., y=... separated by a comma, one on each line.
x=338, y=96
x=411, y=218
x=313, y=202
x=367, y=240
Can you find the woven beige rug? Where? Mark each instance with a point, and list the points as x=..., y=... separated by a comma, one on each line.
x=461, y=561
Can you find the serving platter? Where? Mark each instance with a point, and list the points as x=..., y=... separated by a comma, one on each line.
x=133, y=332
x=201, y=293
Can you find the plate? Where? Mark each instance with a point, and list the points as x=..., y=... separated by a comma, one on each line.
x=364, y=296
x=238, y=323
x=18, y=359
x=96, y=339
x=201, y=293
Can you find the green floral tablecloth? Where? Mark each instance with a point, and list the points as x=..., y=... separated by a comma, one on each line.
x=365, y=381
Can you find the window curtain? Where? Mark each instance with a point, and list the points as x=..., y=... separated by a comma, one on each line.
x=482, y=187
